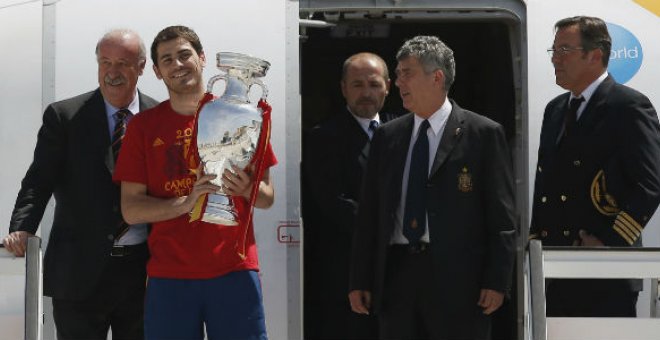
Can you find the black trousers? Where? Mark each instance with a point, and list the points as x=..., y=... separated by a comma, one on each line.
x=117, y=302
x=590, y=298
x=411, y=306
x=332, y=320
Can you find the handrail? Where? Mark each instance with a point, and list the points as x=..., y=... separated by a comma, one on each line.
x=33, y=290
x=537, y=286
x=574, y=262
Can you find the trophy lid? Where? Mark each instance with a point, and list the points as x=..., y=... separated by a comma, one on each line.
x=229, y=60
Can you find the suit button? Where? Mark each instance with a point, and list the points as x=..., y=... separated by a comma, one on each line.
x=432, y=214
x=115, y=208
x=544, y=199
x=645, y=218
x=540, y=169
x=567, y=233
x=429, y=185
x=544, y=233
x=563, y=198
x=111, y=237
x=577, y=162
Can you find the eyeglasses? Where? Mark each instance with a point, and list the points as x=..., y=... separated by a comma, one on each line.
x=562, y=51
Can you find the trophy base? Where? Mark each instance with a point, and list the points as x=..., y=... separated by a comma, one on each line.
x=220, y=210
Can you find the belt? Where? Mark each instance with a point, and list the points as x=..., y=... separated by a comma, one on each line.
x=122, y=251
x=412, y=248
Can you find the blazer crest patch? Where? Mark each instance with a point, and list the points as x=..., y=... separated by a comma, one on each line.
x=464, y=180
x=603, y=201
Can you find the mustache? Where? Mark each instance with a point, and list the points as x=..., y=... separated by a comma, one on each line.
x=365, y=101
x=119, y=80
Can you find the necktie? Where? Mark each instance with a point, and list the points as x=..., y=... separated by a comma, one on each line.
x=570, y=119
x=117, y=137
x=120, y=129
x=372, y=127
x=414, y=216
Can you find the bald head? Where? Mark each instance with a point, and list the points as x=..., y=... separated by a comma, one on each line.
x=365, y=83
x=369, y=58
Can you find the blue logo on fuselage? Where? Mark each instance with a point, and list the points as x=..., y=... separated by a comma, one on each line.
x=626, y=56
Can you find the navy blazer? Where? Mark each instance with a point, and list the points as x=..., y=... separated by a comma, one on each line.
x=334, y=164
x=605, y=178
x=470, y=209
x=73, y=162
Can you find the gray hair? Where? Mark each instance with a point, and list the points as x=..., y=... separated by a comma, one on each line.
x=433, y=54
x=122, y=32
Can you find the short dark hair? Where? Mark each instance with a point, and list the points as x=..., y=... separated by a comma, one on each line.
x=174, y=32
x=593, y=32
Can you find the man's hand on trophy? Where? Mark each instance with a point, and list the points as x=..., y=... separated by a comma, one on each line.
x=238, y=182
x=201, y=187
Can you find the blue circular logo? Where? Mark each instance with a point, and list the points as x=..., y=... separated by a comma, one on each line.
x=626, y=56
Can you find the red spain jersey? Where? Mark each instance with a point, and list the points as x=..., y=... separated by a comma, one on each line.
x=155, y=152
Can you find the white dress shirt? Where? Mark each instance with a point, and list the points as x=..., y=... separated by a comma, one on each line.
x=438, y=121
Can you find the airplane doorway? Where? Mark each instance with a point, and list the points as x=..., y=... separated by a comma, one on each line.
x=489, y=53
x=484, y=68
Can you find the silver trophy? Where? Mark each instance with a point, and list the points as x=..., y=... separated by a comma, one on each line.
x=228, y=128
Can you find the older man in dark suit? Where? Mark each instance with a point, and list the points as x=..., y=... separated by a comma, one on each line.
x=434, y=246
x=94, y=266
x=598, y=175
x=335, y=159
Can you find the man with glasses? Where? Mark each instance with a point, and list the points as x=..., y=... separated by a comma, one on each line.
x=598, y=174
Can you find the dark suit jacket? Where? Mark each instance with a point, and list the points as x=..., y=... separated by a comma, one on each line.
x=73, y=162
x=334, y=162
x=470, y=212
x=605, y=178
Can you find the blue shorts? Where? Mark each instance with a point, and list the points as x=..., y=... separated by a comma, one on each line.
x=230, y=306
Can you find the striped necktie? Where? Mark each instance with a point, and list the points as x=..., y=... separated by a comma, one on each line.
x=120, y=129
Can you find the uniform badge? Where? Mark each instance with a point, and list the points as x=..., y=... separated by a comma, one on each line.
x=464, y=180
x=603, y=201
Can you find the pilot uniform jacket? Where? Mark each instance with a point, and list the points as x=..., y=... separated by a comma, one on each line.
x=470, y=209
x=605, y=177
x=73, y=162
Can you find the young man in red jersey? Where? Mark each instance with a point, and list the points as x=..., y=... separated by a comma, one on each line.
x=196, y=275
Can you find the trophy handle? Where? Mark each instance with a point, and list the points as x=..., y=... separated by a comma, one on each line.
x=209, y=87
x=264, y=89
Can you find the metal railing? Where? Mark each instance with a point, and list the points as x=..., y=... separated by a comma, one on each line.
x=34, y=314
x=542, y=263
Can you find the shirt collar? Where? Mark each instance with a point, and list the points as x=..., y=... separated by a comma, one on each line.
x=437, y=119
x=364, y=122
x=134, y=106
x=589, y=91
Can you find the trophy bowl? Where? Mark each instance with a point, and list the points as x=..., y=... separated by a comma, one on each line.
x=228, y=128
